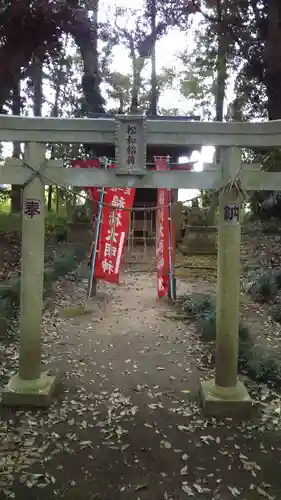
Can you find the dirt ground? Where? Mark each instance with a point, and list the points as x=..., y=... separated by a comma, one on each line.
x=126, y=423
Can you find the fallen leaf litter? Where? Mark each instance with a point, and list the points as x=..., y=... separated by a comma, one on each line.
x=105, y=403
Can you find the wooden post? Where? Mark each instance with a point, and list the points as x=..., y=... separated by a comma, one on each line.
x=226, y=395
x=29, y=386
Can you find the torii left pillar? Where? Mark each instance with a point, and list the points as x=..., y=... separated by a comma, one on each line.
x=30, y=386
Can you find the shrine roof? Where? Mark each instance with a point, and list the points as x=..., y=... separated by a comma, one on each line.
x=151, y=117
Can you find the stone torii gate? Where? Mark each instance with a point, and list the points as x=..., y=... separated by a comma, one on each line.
x=225, y=395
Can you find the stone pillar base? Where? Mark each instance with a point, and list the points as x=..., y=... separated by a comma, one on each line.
x=19, y=392
x=225, y=401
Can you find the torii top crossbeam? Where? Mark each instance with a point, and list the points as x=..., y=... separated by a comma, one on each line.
x=174, y=132
x=131, y=134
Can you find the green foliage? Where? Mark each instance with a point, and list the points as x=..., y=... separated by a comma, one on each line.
x=275, y=312
x=271, y=226
x=197, y=79
x=259, y=365
x=54, y=220
x=10, y=291
x=207, y=329
x=65, y=262
x=198, y=306
x=10, y=222
x=253, y=361
x=57, y=226
x=9, y=302
x=81, y=214
x=4, y=194
x=202, y=308
x=6, y=314
x=39, y=29
x=265, y=287
x=277, y=276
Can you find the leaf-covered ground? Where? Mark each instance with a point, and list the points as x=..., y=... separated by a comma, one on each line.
x=125, y=423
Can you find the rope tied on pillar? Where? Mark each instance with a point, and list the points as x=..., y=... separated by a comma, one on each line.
x=35, y=173
x=234, y=184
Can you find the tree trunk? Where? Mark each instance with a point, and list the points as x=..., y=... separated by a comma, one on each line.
x=74, y=201
x=272, y=56
x=138, y=65
x=57, y=200
x=138, y=62
x=135, y=91
x=74, y=21
x=153, y=98
x=221, y=64
x=16, y=190
x=68, y=206
x=50, y=198
x=55, y=114
x=11, y=62
x=221, y=76
x=84, y=32
x=37, y=86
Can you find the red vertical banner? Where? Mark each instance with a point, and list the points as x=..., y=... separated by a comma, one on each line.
x=162, y=234
x=116, y=215
x=94, y=192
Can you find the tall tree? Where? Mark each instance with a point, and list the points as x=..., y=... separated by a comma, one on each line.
x=149, y=26
x=152, y=9
x=27, y=25
x=119, y=90
x=16, y=190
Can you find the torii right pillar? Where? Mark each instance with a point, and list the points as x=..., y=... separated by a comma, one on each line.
x=226, y=396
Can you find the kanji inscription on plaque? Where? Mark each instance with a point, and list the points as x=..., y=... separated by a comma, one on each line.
x=231, y=212
x=130, y=143
x=31, y=208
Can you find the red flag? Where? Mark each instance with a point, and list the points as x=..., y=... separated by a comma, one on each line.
x=94, y=192
x=162, y=234
x=113, y=233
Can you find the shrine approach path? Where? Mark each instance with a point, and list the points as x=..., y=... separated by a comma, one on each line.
x=126, y=423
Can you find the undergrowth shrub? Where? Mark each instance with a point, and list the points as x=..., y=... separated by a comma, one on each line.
x=65, y=261
x=275, y=312
x=259, y=365
x=277, y=276
x=9, y=303
x=197, y=306
x=9, y=222
x=271, y=226
x=265, y=287
x=57, y=227
x=253, y=361
x=207, y=329
x=81, y=213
